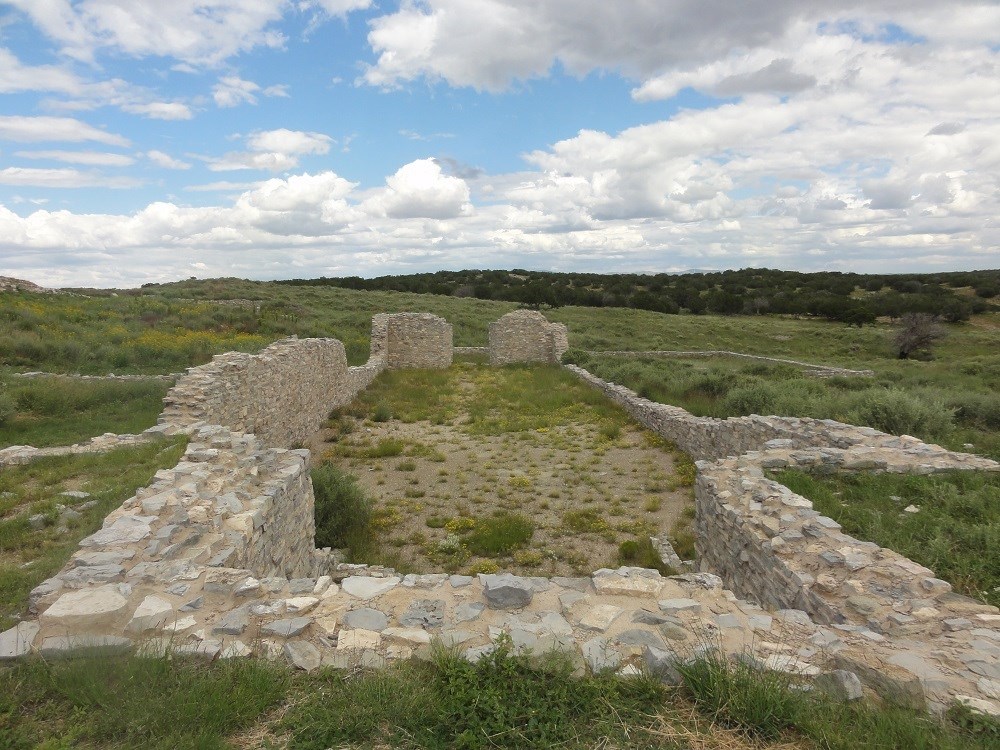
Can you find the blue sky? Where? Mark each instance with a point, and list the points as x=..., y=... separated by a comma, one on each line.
x=143, y=141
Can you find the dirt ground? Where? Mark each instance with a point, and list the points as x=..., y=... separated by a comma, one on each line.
x=585, y=490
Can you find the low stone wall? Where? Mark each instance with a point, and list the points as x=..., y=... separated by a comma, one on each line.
x=169, y=377
x=22, y=454
x=526, y=336
x=819, y=371
x=282, y=395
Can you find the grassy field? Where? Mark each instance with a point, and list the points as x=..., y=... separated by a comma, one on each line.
x=61, y=411
x=504, y=701
x=30, y=555
x=955, y=531
x=477, y=469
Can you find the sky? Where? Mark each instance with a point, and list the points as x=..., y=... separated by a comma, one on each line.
x=148, y=141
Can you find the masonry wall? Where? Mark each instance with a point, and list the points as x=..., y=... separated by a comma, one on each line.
x=526, y=336
x=417, y=340
x=282, y=395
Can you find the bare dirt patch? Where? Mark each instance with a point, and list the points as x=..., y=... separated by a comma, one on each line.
x=515, y=489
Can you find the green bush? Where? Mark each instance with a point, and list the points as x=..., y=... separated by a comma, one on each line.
x=641, y=553
x=500, y=535
x=979, y=410
x=343, y=512
x=900, y=413
x=382, y=413
x=8, y=408
x=758, y=398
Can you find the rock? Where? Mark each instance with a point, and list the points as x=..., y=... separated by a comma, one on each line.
x=301, y=586
x=249, y=586
x=840, y=685
x=191, y=606
x=411, y=636
x=627, y=586
x=598, y=656
x=151, y=614
x=427, y=613
x=645, y=617
x=505, y=591
x=988, y=708
x=789, y=665
x=911, y=509
x=989, y=688
x=366, y=619
x=37, y=521
x=179, y=626
x=358, y=639
x=87, y=608
x=286, y=628
x=233, y=622
x=469, y=611
x=235, y=649
x=662, y=664
x=600, y=617
x=458, y=582
x=676, y=606
x=639, y=637
x=303, y=655
x=298, y=604
x=17, y=641
x=366, y=587
x=124, y=530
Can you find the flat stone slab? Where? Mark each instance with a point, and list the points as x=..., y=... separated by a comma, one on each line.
x=303, y=655
x=367, y=587
x=151, y=614
x=366, y=619
x=86, y=608
x=600, y=617
x=124, y=530
x=17, y=641
x=287, y=628
x=674, y=606
x=358, y=639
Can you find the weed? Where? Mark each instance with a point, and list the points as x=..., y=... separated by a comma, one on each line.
x=500, y=534
x=343, y=512
x=584, y=520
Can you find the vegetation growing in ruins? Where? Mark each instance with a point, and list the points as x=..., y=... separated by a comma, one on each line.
x=952, y=525
x=505, y=701
x=29, y=555
x=60, y=411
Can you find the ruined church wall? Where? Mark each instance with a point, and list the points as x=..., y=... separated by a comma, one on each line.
x=526, y=336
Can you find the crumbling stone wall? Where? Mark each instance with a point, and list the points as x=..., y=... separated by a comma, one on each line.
x=526, y=336
x=412, y=340
x=282, y=395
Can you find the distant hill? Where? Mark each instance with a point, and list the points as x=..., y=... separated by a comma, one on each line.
x=10, y=284
x=848, y=297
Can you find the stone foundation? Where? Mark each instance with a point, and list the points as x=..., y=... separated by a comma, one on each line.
x=216, y=558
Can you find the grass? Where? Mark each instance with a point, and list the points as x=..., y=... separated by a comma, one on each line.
x=60, y=411
x=109, y=477
x=956, y=532
x=500, y=534
x=506, y=700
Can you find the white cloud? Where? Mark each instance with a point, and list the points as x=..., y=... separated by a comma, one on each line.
x=161, y=159
x=61, y=178
x=16, y=77
x=290, y=141
x=160, y=110
x=90, y=158
x=336, y=7
x=231, y=91
x=420, y=189
x=39, y=129
x=197, y=32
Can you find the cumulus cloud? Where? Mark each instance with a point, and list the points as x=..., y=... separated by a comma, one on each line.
x=39, y=129
x=421, y=189
x=274, y=150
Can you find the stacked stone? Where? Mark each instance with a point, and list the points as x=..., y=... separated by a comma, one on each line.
x=22, y=454
x=110, y=376
x=526, y=336
x=417, y=340
x=282, y=395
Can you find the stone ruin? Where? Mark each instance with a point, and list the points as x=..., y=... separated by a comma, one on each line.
x=526, y=336
x=216, y=557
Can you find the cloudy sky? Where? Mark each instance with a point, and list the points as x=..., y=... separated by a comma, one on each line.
x=144, y=140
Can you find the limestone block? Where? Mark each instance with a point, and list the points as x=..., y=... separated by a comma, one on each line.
x=87, y=609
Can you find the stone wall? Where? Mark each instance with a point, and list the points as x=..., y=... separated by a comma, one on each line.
x=282, y=395
x=526, y=336
x=819, y=371
x=415, y=340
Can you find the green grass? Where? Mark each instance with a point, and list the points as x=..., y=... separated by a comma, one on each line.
x=507, y=700
x=62, y=411
x=110, y=478
x=956, y=533
x=499, y=534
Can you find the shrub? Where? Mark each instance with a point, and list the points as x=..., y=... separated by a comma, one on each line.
x=900, y=413
x=343, y=511
x=382, y=413
x=642, y=554
x=8, y=408
x=759, y=398
x=977, y=410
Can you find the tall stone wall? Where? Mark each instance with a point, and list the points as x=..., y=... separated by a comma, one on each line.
x=526, y=336
x=415, y=340
x=282, y=395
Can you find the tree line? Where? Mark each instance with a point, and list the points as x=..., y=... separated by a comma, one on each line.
x=851, y=298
